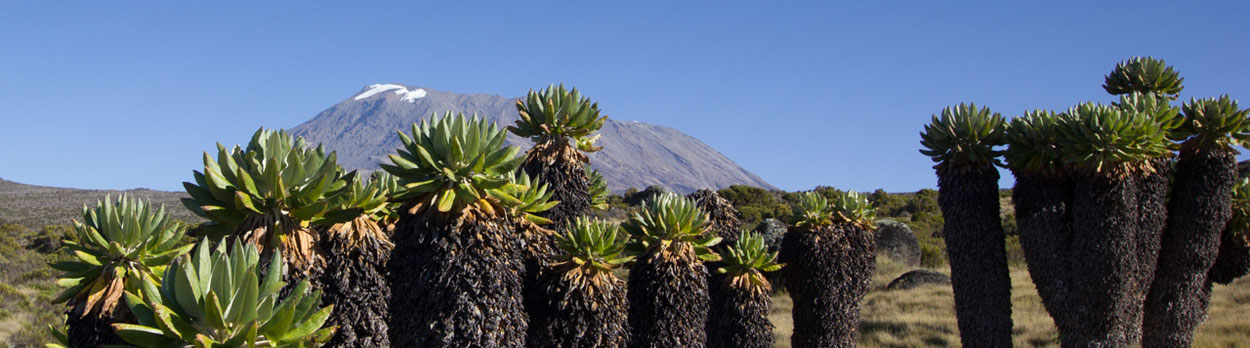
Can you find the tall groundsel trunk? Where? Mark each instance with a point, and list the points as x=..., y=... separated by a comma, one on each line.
x=1105, y=217
x=1234, y=258
x=1199, y=210
x=668, y=289
x=963, y=142
x=585, y=304
x=977, y=251
x=1154, y=187
x=724, y=223
x=668, y=300
x=455, y=270
x=455, y=283
x=740, y=318
x=1042, y=203
x=827, y=274
x=355, y=282
x=1198, y=214
x=829, y=258
x=581, y=309
x=561, y=168
x=538, y=254
x=555, y=161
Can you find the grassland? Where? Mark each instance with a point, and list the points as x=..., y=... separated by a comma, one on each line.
x=925, y=316
x=35, y=206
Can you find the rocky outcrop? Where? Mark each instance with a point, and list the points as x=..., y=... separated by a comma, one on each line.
x=896, y=240
x=918, y=278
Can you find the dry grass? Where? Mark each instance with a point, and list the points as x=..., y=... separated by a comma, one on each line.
x=1227, y=322
x=925, y=316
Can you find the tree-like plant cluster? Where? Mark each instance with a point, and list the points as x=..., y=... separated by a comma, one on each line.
x=1122, y=209
x=458, y=242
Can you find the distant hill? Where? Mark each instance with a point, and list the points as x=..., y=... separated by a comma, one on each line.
x=362, y=129
x=36, y=206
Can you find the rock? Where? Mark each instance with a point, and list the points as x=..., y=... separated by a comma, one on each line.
x=772, y=231
x=918, y=278
x=896, y=240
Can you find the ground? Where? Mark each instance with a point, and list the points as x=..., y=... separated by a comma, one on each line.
x=925, y=316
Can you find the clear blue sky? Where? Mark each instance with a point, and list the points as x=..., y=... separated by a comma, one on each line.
x=100, y=95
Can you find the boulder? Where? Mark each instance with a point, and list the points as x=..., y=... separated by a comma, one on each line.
x=896, y=240
x=918, y=278
x=772, y=231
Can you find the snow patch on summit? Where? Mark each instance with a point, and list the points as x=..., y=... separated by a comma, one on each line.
x=407, y=95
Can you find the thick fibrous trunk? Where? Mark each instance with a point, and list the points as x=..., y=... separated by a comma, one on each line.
x=1153, y=190
x=355, y=282
x=558, y=166
x=827, y=273
x=92, y=331
x=977, y=251
x=538, y=253
x=1199, y=210
x=586, y=314
x=1045, y=229
x=1104, y=228
x=668, y=301
x=722, y=216
x=723, y=221
x=740, y=320
x=455, y=283
x=1234, y=259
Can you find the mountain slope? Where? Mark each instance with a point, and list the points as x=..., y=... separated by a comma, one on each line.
x=362, y=130
x=34, y=206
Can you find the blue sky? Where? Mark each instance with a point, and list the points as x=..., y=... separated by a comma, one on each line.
x=96, y=95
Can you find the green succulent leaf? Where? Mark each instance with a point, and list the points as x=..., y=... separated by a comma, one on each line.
x=1145, y=75
x=598, y=190
x=524, y=197
x=593, y=243
x=275, y=174
x=1214, y=122
x=844, y=207
x=671, y=221
x=1033, y=142
x=452, y=161
x=557, y=114
x=1167, y=116
x=1099, y=138
x=748, y=258
x=120, y=241
x=218, y=298
x=964, y=136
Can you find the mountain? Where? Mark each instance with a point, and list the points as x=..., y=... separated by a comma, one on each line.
x=362, y=130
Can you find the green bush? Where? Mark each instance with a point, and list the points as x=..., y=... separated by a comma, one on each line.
x=755, y=204
x=932, y=252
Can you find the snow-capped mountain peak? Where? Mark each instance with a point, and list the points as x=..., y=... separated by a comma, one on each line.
x=407, y=95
